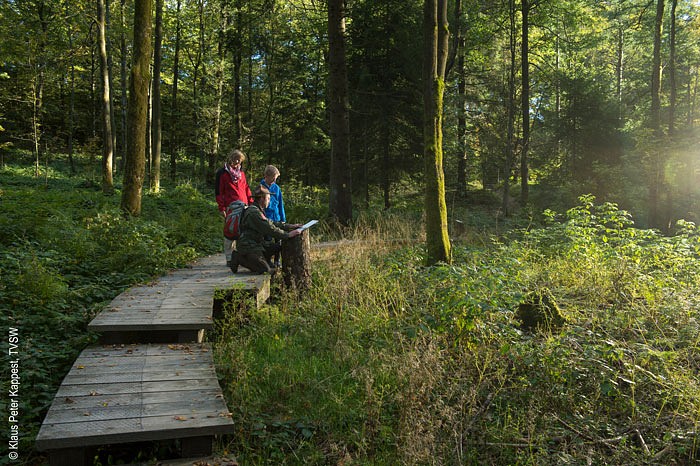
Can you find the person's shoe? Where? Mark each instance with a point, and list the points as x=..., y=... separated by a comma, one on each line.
x=233, y=264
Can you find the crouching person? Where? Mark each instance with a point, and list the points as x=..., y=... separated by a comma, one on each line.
x=254, y=251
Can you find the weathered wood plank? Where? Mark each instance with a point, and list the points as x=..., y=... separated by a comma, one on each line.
x=181, y=301
x=134, y=387
x=135, y=398
x=191, y=406
x=102, y=366
x=132, y=399
x=69, y=435
x=141, y=375
x=183, y=351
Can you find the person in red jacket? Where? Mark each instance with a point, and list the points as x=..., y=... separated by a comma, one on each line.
x=231, y=185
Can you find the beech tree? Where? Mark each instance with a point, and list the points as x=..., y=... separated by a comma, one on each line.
x=137, y=115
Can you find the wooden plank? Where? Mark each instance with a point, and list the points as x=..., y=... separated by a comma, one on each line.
x=131, y=399
x=212, y=460
x=134, y=387
x=144, y=393
x=180, y=301
x=183, y=351
x=69, y=435
x=102, y=365
x=191, y=406
x=144, y=375
x=151, y=325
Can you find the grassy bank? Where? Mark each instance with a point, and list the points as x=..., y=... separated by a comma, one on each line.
x=389, y=362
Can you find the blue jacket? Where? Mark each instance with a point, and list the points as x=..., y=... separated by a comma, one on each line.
x=275, y=211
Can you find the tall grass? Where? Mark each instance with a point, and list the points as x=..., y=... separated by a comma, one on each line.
x=385, y=361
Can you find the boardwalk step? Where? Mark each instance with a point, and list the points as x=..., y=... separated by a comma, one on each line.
x=175, y=308
x=156, y=381
x=134, y=393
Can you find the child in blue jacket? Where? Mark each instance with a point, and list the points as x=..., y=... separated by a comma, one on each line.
x=274, y=211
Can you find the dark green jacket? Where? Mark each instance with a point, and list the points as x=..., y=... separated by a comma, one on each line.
x=255, y=228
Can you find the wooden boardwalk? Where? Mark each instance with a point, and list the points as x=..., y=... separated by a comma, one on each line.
x=175, y=308
x=164, y=386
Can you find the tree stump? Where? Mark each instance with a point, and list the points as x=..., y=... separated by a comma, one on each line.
x=540, y=310
x=296, y=262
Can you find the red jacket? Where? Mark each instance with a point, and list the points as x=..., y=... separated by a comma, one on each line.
x=228, y=191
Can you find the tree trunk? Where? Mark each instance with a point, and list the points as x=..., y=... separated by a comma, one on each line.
x=655, y=178
x=619, y=70
x=461, y=106
x=672, y=73
x=173, y=105
x=341, y=170
x=220, y=67
x=296, y=262
x=38, y=85
x=123, y=62
x=524, y=173
x=37, y=104
x=107, y=141
x=692, y=97
x=435, y=37
x=237, y=68
x=138, y=109
x=199, y=155
x=510, y=132
x=71, y=105
x=386, y=164
x=113, y=130
x=156, y=119
x=656, y=71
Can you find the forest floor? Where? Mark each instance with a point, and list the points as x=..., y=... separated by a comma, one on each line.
x=386, y=360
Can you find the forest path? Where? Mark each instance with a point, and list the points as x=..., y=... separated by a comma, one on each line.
x=152, y=378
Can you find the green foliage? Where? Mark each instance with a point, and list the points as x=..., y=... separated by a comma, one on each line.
x=386, y=361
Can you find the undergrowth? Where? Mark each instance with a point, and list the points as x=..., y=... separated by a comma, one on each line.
x=385, y=361
x=65, y=251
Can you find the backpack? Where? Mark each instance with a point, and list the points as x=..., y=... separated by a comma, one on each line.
x=234, y=218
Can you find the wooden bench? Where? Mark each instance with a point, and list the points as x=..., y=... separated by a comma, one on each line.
x=174, y=308
x=134, y=393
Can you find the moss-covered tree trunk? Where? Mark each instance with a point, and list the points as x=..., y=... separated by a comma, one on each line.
x=137, y=116
x=435, y=39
